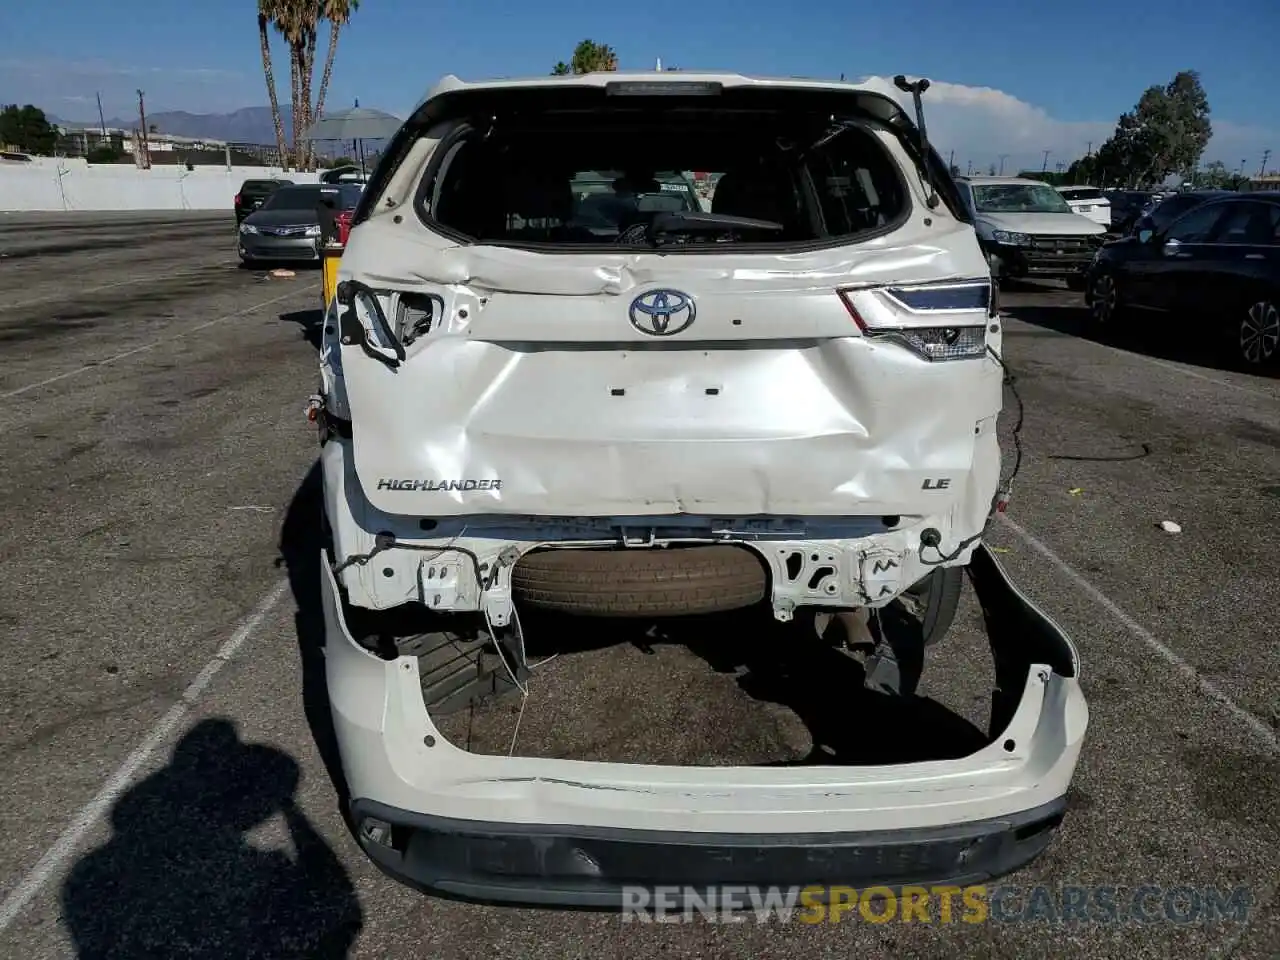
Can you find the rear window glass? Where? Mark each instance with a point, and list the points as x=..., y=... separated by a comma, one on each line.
x=294, y=198
x=257, y=186
x=1121, y=198
x=643, y=178
x=349, y=195
x=340, y=196
x=1082, y=193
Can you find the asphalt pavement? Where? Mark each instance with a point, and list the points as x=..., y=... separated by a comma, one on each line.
x=166, y=780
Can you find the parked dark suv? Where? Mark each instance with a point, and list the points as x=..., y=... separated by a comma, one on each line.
x=252, y=195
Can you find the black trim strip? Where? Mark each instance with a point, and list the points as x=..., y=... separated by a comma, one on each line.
x=590, y=866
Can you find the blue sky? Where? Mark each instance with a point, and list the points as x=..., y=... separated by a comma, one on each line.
x=1012, y=78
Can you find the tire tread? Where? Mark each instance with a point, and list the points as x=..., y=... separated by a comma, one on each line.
x=641, y=582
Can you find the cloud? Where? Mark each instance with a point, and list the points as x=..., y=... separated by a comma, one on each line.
x=982, y=123
x=97, y=68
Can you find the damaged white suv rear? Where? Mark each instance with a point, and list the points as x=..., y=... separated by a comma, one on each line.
x=555, y=377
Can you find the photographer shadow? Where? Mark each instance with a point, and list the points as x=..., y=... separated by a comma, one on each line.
x=301, y=541
x=850, y=724
x=310, y=322
x=179, y=877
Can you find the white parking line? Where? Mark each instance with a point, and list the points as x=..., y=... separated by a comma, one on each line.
x=1206, y=686
x=146, y=346
x=70, y=292
x=88, y=815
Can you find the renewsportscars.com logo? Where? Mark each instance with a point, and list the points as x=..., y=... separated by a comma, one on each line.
x=1001, y=903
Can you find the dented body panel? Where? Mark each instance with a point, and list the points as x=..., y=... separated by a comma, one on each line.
x=537, y=395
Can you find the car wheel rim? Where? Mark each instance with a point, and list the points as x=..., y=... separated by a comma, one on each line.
x=1260, y=332
x=1104, y=299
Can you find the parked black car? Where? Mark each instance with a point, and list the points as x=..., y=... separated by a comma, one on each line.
x=253, y=193
x=1218, y=263
x=1126, y=208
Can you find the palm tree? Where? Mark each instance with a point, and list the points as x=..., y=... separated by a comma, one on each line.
x=309, y=14
x=268, y=11
x=298, y=22
x=289, y=21
x=338, y=13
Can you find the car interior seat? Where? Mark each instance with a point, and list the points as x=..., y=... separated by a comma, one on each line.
x=761, y=193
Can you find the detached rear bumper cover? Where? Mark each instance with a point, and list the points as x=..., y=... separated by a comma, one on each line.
x=573, y=832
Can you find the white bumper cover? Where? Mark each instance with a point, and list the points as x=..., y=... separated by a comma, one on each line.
x=567, y=831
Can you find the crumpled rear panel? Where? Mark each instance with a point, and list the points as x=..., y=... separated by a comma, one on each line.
x=834, y=427
x=534, y=394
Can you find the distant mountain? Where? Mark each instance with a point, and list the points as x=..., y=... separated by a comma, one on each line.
x=248, y=125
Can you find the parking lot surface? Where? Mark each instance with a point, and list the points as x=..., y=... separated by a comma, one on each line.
x=165, y=789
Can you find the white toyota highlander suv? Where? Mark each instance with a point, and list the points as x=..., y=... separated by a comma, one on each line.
x=614, y=402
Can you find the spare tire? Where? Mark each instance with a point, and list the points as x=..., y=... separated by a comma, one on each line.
x=640, y=582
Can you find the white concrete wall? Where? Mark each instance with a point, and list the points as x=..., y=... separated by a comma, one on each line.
x=48, y=183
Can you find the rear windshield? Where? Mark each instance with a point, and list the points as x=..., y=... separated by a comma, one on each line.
x=341, y=196
x=294, y=198
x=349, y=195
x=644, y=178
x=258, y=186
x=1082, y=193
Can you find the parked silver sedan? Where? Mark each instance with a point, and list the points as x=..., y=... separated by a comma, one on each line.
x=295, y=222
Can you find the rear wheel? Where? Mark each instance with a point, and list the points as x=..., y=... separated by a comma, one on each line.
x=640, y=582
x=1258, y=334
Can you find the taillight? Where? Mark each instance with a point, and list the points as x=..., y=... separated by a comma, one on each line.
x=934, y=321
x=237, y=199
